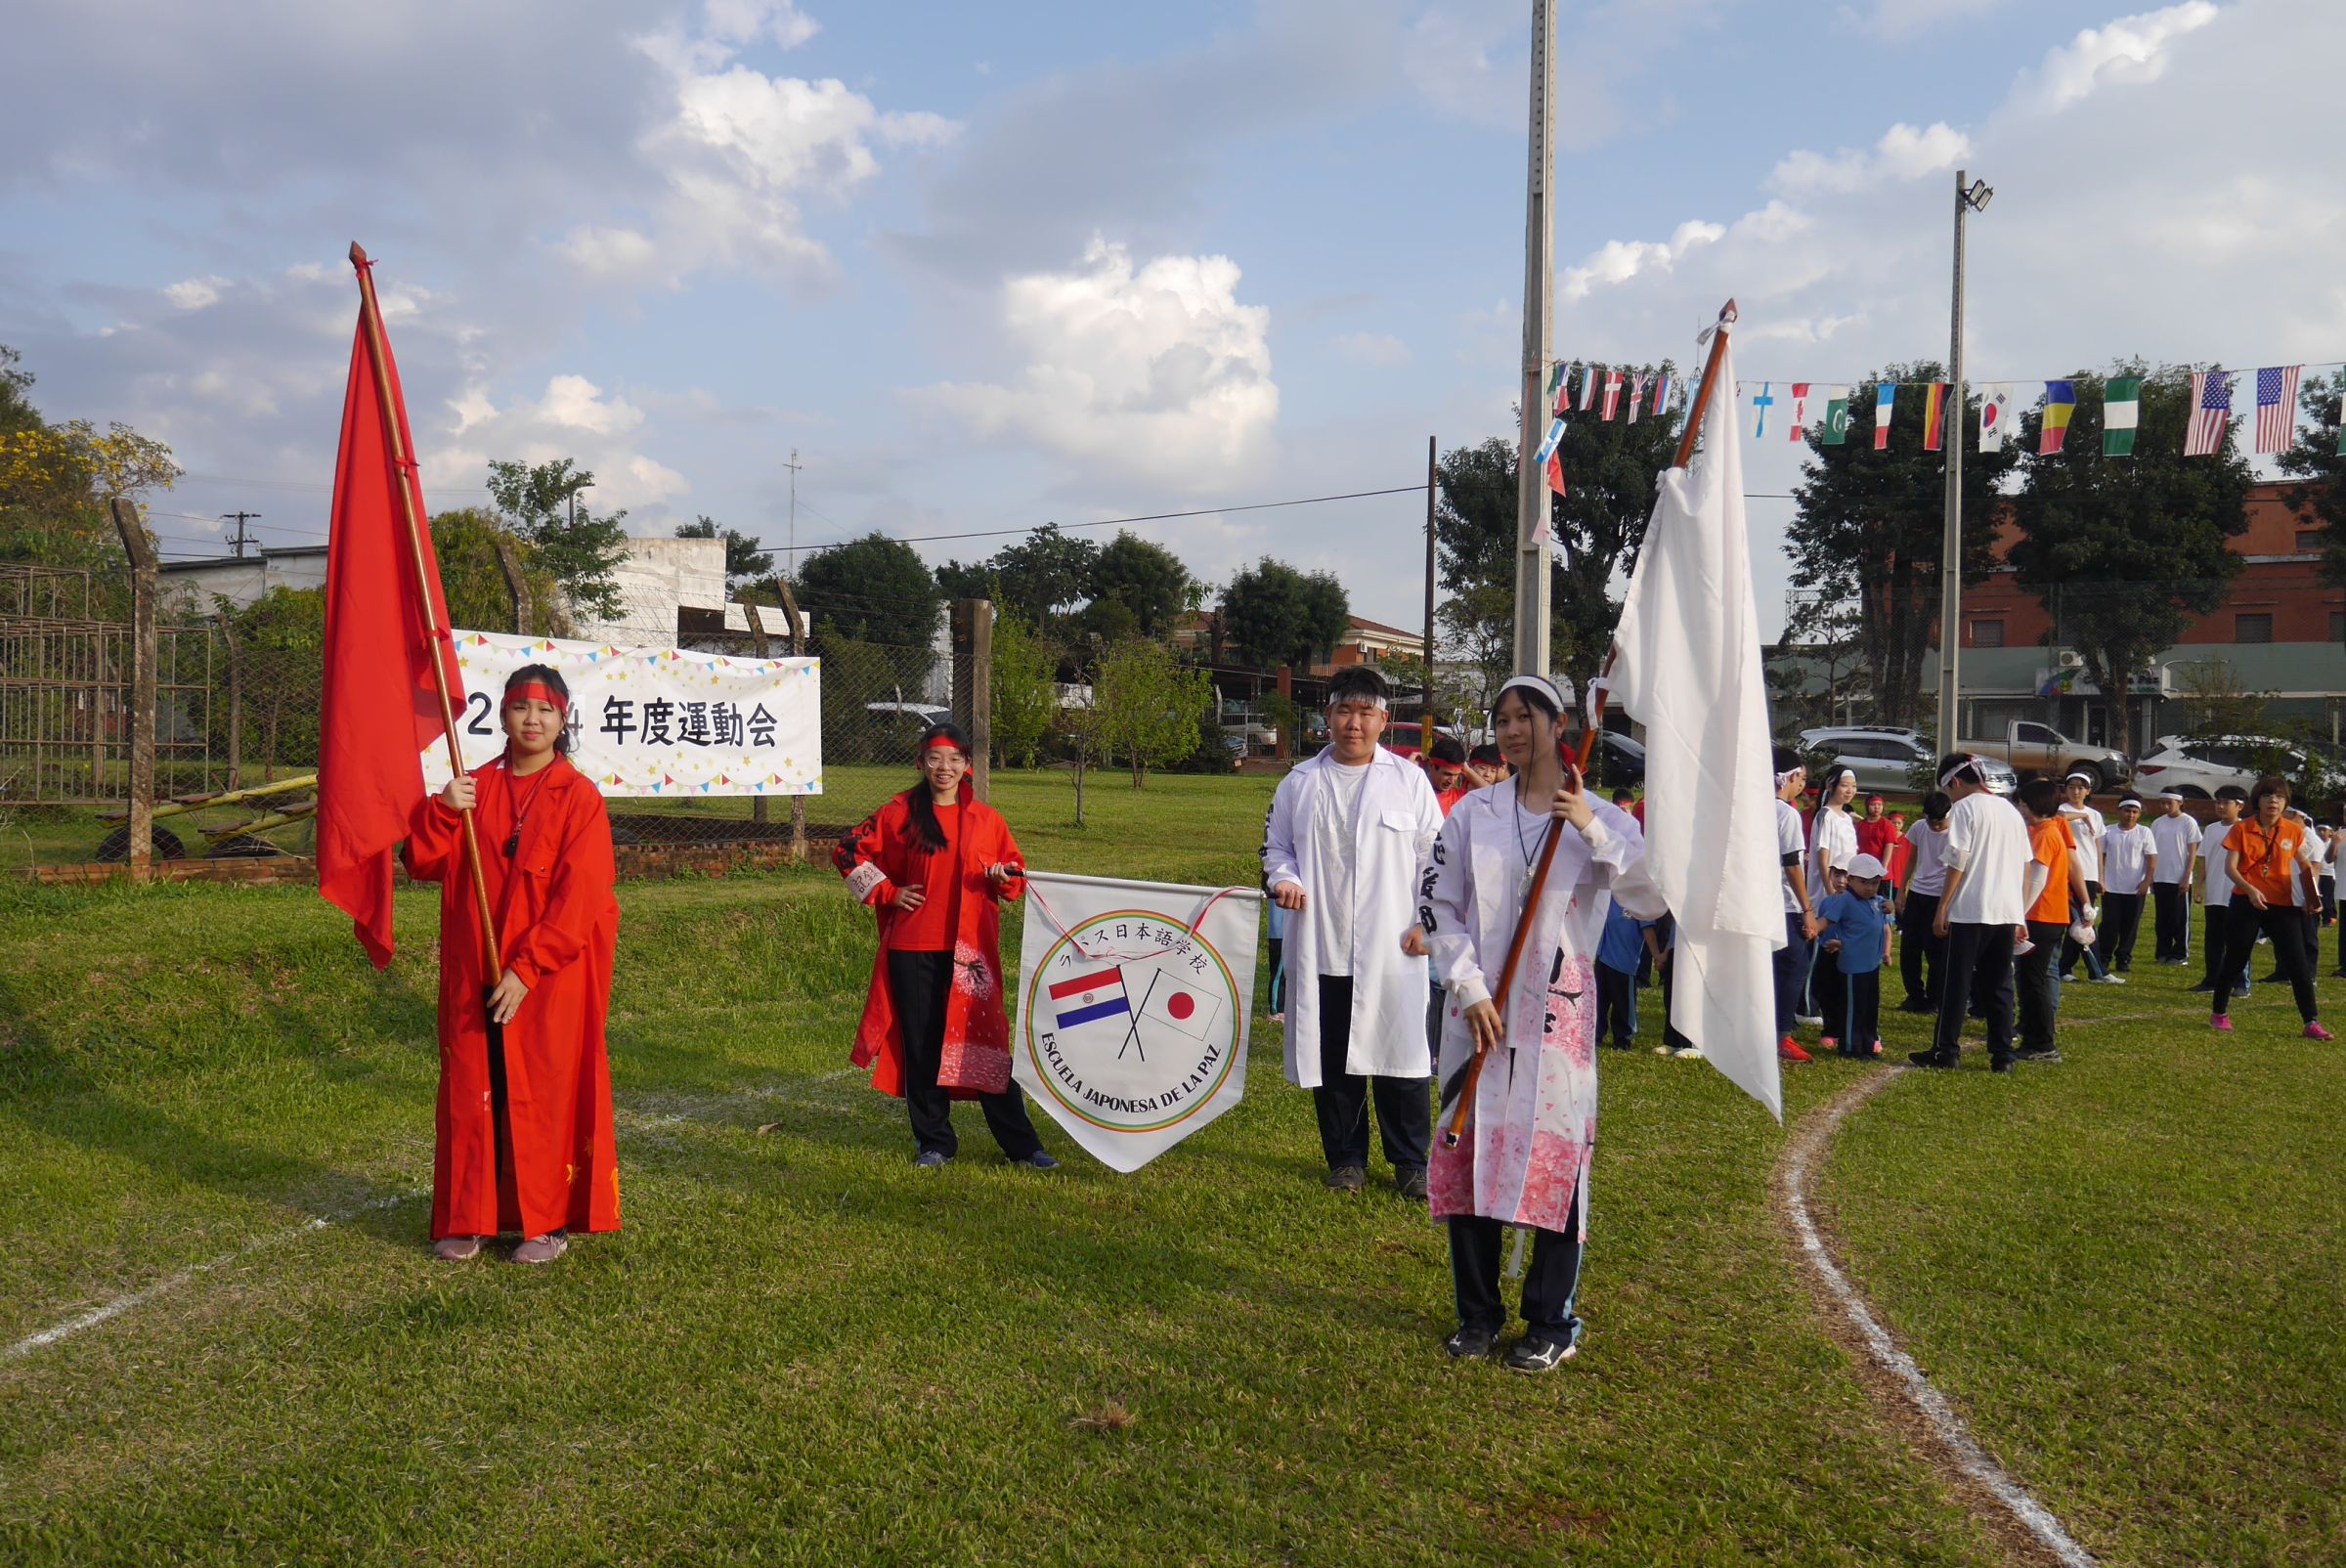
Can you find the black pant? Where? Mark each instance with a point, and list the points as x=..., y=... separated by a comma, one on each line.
x=1671, y=1036
x=1854, y=1016
x=1615, y=1005
x=2173, y=940
x=1549, y=1281
x=1918, y=943
x=920, y=982
x=1979, y=962
x=1404, y=1107
x=1791, y=972
x=2121, y=919
x=2285, y=925
x=2038, y=986
x=2071, y=949
x=2218, y=943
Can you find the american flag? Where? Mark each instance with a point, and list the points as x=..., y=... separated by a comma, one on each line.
x=2277, y=406
x=2211, y=413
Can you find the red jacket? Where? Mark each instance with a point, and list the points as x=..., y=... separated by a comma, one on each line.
x=874, y=858
x=557, y=924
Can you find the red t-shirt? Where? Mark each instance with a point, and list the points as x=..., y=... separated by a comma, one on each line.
x=929, y=928
x=1445, y=799
x=1875, y=837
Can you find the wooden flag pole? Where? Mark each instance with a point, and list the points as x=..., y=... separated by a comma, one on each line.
x=1695, y=411
x=434, y=634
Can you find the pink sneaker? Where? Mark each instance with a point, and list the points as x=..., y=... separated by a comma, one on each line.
x=2315, y=1031
x=541, y=1248
x=2221, y=1022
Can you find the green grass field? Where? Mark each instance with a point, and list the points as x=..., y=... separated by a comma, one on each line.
x=801, y=1350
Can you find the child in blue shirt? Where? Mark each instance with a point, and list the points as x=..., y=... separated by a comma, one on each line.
x=1857, y=934
x=1618, y=951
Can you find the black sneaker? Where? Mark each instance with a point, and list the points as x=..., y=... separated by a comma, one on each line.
x=1410, y=1183
x=1038, y=1160
x=1347, y=1179
x=1540, y=1354
x=1467, y=1344
x=1930, y=1058
x=2043, y=1053
x=2002, y=1064
x=2202, y=988
x=1917, y=1007
x=929, y=1158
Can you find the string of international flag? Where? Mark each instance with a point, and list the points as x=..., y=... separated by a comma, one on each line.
x=1611, y=392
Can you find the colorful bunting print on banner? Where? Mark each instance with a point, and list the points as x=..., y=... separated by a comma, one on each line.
x=2211, y=414
x=2277, y=406
x=1885, y=404
x=1837, y=418
x=1935, y=416
x=1763, y=402
x=2121, y=408
x=1995, y=413
x=1612, y=394
x=1799, y=413
x=2061, y=401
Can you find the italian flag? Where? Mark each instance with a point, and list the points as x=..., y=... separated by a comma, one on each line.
x=2121, y=407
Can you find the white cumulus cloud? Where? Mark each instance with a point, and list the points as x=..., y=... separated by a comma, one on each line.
x=1903, y=152
x=2128, y=51
x=1156, y=370
x=1620, y=260
x=574, y=418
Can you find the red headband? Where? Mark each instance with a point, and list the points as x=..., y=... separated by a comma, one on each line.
x=935, y=741
x=539, y=690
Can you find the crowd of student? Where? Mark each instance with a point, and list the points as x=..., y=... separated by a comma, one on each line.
x=1397, y=888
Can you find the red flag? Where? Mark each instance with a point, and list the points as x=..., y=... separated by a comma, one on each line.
x=380, y=708
x=1556, y=471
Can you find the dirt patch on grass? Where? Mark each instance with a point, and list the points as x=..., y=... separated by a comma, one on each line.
x=1929, y=1433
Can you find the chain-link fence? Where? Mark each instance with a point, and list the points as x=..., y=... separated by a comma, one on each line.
x=237, y=713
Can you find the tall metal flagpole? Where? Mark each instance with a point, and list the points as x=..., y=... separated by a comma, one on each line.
x=1950, y=566
x=1539, y=244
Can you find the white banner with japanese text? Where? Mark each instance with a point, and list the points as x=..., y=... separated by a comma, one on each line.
x=1134, y=1000
x=654, y=720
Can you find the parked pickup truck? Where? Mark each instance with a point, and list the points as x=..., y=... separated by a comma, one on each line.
x=2043, y=750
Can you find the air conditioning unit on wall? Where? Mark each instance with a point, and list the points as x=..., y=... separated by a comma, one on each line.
x=2067, y=659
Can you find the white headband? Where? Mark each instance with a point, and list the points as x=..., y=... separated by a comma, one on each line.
x=1966, y=764
x=1356, y=696
x=1539, y=684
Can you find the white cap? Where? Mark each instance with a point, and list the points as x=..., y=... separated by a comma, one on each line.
x=1865, y=865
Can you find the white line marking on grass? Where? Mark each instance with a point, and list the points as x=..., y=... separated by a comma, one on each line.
x=1945, y=1423
x=106, y=1311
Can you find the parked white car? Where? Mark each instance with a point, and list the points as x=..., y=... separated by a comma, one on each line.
x=1884, y=759
x=2197, y=768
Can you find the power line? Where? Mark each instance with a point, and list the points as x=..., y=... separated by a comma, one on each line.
x=1155, y=518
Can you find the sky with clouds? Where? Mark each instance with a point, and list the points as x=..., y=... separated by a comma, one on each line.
x=984, y=267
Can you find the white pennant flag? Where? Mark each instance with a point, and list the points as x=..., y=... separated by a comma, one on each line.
x=1689, y=669
x=1995, y=413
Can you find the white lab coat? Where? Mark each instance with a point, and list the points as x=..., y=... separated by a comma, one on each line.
x=1393, y=827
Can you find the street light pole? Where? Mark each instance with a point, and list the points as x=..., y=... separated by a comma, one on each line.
x=1968, y=199
x=1538, y=241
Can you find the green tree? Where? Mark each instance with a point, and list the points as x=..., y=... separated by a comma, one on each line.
x=578, y=548
x=1150, y=706
x=17, y=412
x=1276, y=615
x=745, y=562
x=280, y=643
x=2317, y=460
x=472, y=579
x=1026, y=698
x=1039, y=577
x=2126, y=552
x=1146, y=579
x=1867, y=533
x=878, y=591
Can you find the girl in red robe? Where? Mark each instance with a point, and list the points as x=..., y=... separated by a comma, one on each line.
x=524, y=1117
x=936, y=864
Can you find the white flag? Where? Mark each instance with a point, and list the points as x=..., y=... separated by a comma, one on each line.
x=1689, y=669
x=1995, y=413
x=1133, y=1006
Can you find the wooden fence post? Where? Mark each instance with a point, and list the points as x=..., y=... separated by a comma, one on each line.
x=974, y=687
x=794, y=645
x=749, y=611
x=236, y=699
x=135, y=544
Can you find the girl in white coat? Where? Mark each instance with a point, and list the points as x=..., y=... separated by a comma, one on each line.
x=1531, y=1119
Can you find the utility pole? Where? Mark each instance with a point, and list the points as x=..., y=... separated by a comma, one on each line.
x=1425, y=735
x=794, y=465
x=1968, y=197
x=239, y=519
x=1539, y=243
